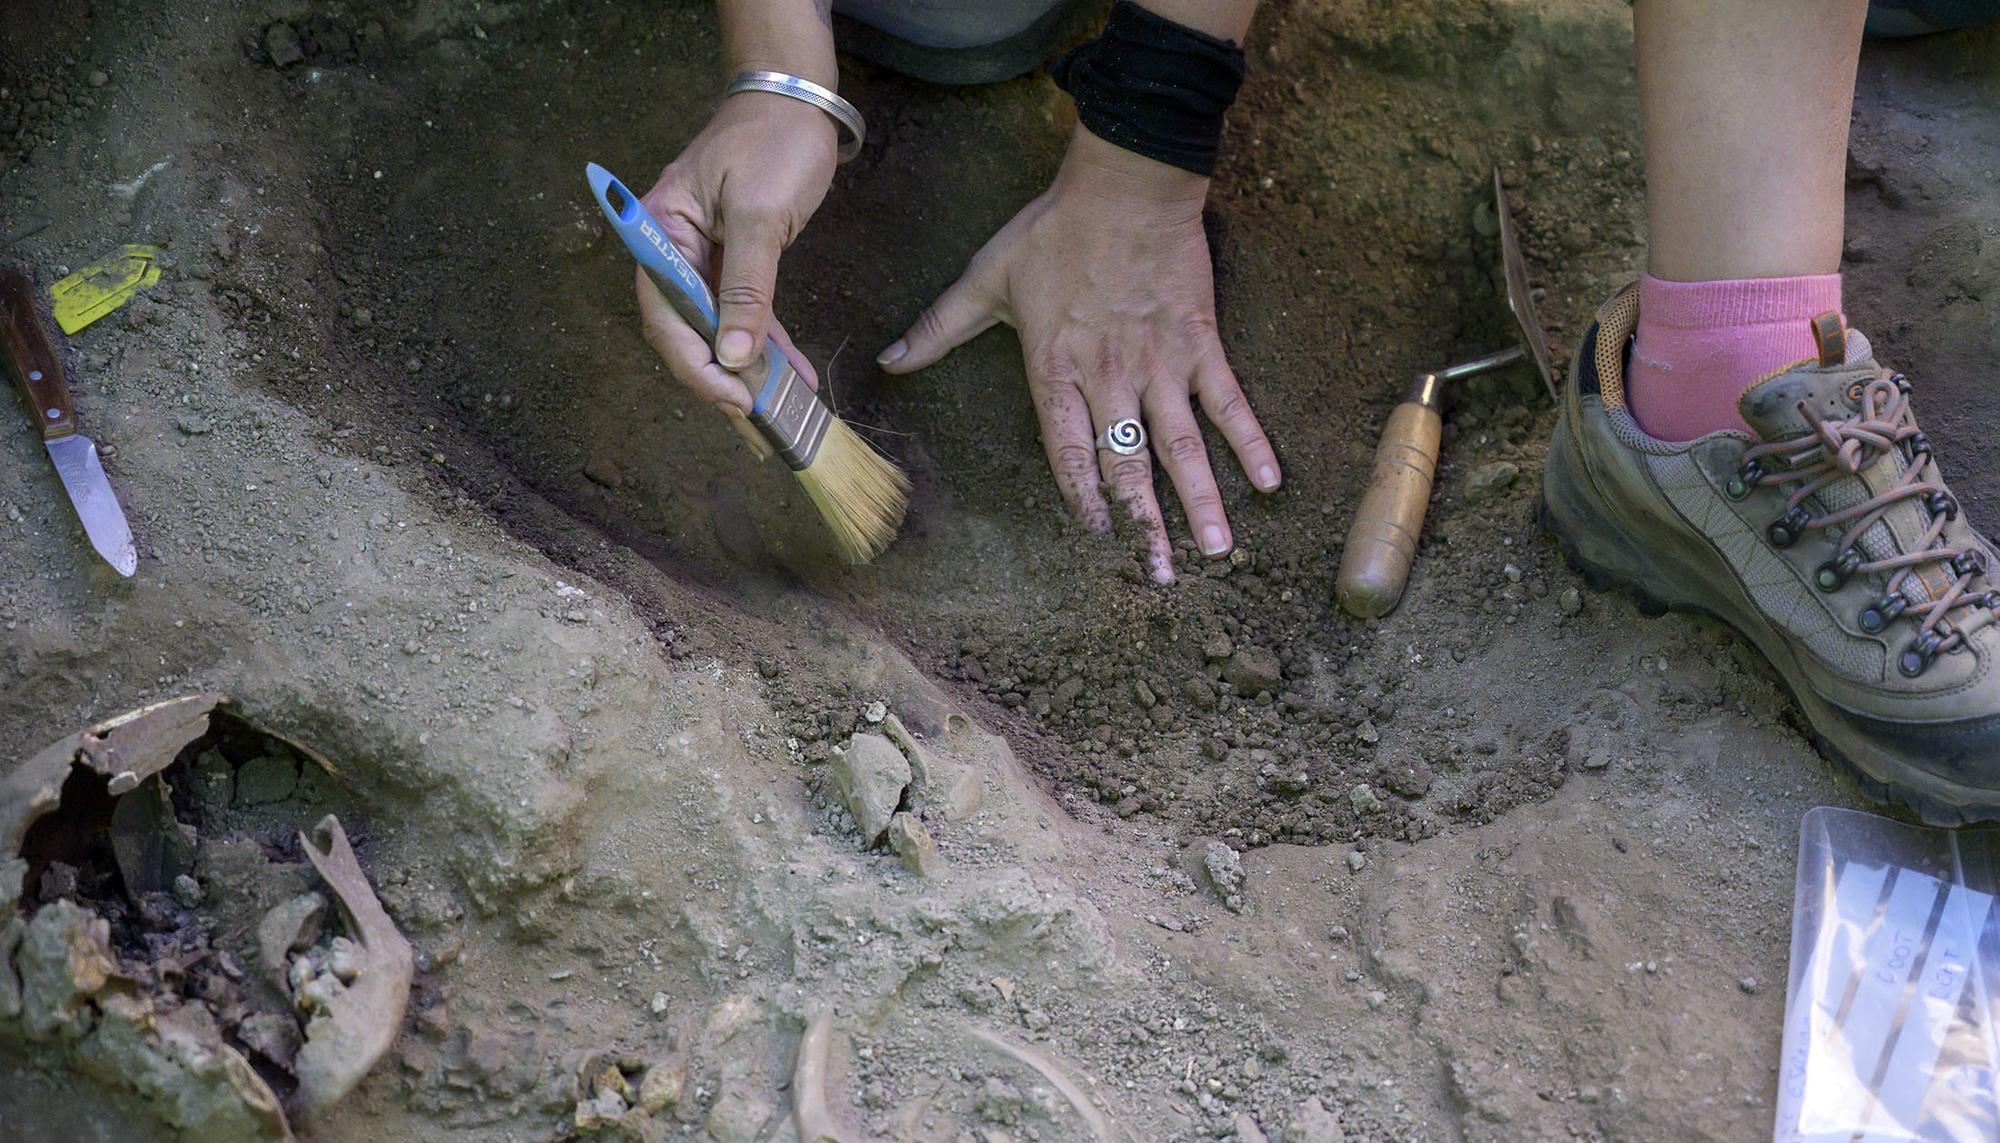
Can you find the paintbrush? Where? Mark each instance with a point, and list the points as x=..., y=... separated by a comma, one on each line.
x=860, y=493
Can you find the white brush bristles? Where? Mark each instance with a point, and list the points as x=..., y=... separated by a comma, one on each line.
x=860, y=492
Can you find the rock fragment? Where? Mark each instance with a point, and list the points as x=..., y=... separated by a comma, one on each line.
x=273, y=1035
x=739, y=1115
x=262, y=781
x=1312, y=1122
x=1590, y=747
x=662, y=1086
x=1253, y=669
x=64, y=959
x=1225, y=872
x=915, y=846
x=151, y=848
x=936, y=784
x=214, y=784
x=1490, y=480
x=1408, y=777
x=610, y=1082
x=286, y=928
x=10, y=984
x=1247, y=1130
x=58, y=881
x=281, y=45
x=604, y=472
x=869, y=777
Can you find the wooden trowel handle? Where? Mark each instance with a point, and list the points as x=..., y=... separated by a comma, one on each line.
x=1383, y=540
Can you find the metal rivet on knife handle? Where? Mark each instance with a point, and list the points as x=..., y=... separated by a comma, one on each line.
x=30, y=359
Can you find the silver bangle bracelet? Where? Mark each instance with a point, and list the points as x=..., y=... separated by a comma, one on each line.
x=806, y=91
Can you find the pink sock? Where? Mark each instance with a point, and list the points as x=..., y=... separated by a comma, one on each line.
x=1700, y=344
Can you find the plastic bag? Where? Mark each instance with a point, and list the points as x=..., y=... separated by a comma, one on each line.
x=1890, y=1016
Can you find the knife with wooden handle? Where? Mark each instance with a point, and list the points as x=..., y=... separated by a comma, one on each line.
x=38, y=373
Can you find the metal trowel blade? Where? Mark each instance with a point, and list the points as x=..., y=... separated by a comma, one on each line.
x=1519, y=299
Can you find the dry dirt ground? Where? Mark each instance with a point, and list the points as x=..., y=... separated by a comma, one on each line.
x=408, y=486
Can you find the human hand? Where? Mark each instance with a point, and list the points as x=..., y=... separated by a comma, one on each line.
x=732, y=201
x=1107, y=279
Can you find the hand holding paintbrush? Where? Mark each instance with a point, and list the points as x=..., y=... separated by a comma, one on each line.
x=859, y=492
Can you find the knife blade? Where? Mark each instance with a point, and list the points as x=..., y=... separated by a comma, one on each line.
x=33, y=364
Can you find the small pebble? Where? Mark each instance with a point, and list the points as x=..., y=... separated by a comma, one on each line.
x=1490, y=480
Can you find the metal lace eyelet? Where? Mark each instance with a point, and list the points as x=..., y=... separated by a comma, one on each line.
x=1876, y=617
x=1968, y=563
x=1854, y=392
x=1920, y=443
x=1917, y=657
x=1941, y=504
x=1786, y=530
x=1834, y=573
x=1745, y=481
x=1901, y=382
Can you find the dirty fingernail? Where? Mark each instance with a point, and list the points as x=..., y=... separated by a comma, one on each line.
x=1267, y=477
x=892, y=354
x=1213, y=542
x=734, y=348
x=1163, y=572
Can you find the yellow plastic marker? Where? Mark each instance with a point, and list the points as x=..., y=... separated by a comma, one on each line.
x=103, y=286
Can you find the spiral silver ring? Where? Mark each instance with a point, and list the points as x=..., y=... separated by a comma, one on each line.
x=1124, y=437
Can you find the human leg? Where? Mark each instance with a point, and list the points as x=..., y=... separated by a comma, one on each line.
x=1803, y=507
x=1745, y=108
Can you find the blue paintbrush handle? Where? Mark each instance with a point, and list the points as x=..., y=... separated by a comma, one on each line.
x=676, y=279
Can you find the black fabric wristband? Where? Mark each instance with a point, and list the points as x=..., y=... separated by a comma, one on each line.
x=1154, y=87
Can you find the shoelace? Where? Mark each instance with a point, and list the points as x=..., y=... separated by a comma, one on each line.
x=1848, y=447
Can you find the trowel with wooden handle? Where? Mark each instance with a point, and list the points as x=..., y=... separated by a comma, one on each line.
x=33, y=364
x=1382, y=543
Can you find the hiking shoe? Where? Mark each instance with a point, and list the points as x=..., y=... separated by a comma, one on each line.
x=1830, y=542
